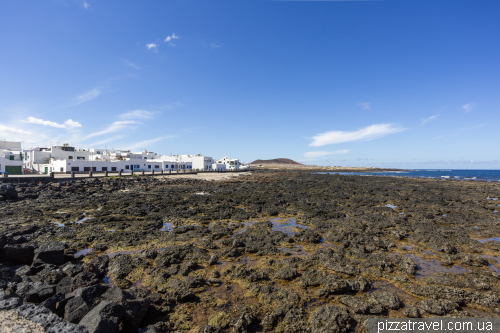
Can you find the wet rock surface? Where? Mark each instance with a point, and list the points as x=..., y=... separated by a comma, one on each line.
x=273, y=251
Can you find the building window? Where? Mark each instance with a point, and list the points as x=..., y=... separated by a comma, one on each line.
x=70, y=157
x=126, y=167
x=145, y=158
x=113, y=168
x=157, y=166
x=172, y=166
x=86, y=168
x=104, y=168
x=98, y=152
x=62, y=169
x=75, y=169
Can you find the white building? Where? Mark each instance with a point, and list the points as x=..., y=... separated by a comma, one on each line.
x=11, y=158
x=65, y=159
x=230, y=163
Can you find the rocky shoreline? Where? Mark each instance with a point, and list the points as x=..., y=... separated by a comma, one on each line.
x=271, y=251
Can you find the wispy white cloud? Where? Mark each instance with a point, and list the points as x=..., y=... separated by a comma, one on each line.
x=316, y=154
x=115, y=127
x=364, y=134
x=365, y=105
x=11, y=130
x=131, y=64
x=145, y=143
x=214, y=46
x=173, y=36
x=192, y=129
x=137, y=114
x=151, y=46
x=86, y=5
x=67, y=124
x=428, y=119
x=105, y=141
x=87, y=96
x=168, y=106
x=468, y=107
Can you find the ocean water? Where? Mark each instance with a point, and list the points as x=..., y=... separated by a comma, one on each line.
x=480, y=175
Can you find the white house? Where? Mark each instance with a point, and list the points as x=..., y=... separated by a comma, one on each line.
x=11, y=161
x=231, y=164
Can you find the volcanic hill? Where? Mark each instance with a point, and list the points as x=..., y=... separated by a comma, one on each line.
x=276, y=161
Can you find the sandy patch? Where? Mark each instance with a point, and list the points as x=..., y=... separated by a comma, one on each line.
x=12, y=322
x=210, y=176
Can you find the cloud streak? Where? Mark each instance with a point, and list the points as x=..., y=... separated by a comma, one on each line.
x=151, y=46
x=468, y=107
x=67, y=124
x=88, y=96
x=428, y=119
x=214, y=46
x=317, y=154
x=11, y=130
x=115, y=127
x=368, y=133
x=365, y=105
x=131, y=64
x=137, y=114
x=145, y=143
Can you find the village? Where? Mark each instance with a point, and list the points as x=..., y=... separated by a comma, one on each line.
x=66, y=159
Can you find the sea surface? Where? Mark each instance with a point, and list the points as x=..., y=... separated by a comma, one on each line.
x=480, y=175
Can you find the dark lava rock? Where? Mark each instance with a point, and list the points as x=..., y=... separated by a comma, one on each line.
x=11, y=303
x=97, y=265
x=135, y=309
x=194, y=281
x=99, y=247
x=213, y=260
x=412, y=312
x=39, y=314
x=51, y=253
x=330, y=319
x=286, y=273
x=388, y=300
x=307, y=236
x=52, y=302
x=208, y=329
x=149, y=254
x=437, y=306
x=242, y=323
x=20, y=254
x=65, y=327
x=79, y=302
x=104, y=318
x=7, y=276
x=121, y=266
x=84, y=279
x=35, y=292
x=71, y=269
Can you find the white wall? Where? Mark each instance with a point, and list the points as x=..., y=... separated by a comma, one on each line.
x=5, y=159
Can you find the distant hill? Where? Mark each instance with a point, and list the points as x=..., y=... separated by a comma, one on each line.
x=276, y=161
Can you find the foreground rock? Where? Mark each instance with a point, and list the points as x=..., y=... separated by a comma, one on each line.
x=274, y=252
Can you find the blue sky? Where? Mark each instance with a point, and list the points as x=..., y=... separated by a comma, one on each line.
x=397, y=83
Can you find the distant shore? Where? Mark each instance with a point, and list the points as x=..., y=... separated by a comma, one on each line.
x=324, y=169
